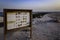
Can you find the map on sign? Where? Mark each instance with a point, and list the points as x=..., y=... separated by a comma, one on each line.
x=17, y=19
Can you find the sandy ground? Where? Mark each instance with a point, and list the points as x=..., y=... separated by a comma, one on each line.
x=41, y=31
x=46, y=31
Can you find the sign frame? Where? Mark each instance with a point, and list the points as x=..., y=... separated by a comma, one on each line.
x=15, y=29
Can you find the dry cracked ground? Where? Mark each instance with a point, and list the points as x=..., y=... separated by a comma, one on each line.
x=40, y=31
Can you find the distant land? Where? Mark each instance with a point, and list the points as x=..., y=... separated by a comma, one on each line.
x=1, y=13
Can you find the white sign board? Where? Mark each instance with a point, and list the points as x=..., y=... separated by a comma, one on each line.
x=17, y=19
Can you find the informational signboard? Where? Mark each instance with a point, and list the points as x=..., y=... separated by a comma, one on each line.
x=17, y=18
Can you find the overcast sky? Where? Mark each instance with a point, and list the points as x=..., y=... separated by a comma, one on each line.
x=35, y=5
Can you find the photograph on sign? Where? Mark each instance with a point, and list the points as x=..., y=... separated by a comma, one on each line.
x=17, y=19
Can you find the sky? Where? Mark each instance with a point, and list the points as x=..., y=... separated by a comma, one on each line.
x=35, y=5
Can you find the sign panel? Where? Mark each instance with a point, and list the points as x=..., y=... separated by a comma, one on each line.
x=17, y=19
